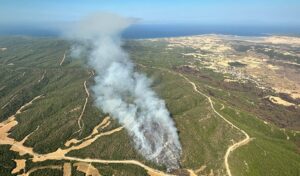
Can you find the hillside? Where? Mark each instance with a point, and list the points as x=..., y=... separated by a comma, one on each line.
x=232, y=117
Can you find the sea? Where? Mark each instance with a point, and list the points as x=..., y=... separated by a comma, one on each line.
x=143, y=31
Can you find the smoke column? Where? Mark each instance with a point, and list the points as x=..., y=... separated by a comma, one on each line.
x=125, y=94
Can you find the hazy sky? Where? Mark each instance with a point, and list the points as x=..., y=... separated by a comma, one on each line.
x=253, y=12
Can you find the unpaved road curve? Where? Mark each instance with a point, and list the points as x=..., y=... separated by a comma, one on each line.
x=58, y=167
x=62, y=60
x=150, y=170
x=233, y=146
x=60, y=154
x=79, y=121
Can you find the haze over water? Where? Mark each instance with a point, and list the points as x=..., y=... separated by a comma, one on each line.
x=141, y=31
x=156, y=18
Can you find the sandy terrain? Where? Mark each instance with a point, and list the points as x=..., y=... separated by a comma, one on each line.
x=215, y=52
x=279, y=101
x=21, y=149
x=230, y=80
x=21, y=163
x=282, y=40
x=72, y=141
x=205, y=43
x=151, y=171
x=67, y=169
x=202, y=168
x=88, y=169
x=105, y=122
x=60, y=154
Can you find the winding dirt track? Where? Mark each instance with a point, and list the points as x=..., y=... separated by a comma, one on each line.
x=234, y=146
x=62, y=60
x=80, y=123
x=150, y=170
x=60, y=154
x=58, y=167
x=43, y=76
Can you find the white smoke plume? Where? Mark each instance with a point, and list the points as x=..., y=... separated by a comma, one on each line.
x=125, y=94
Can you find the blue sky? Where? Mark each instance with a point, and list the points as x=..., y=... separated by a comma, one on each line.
x=242, y=12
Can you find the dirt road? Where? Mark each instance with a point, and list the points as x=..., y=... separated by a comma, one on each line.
x=79, y=121
x=150, y=170
x=62, y=60
x=234, y=146
x=60, y=154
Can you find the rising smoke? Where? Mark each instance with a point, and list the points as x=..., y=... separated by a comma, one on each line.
x=125, y=94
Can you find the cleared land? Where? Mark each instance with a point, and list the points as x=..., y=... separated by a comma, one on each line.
x=215, y=118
